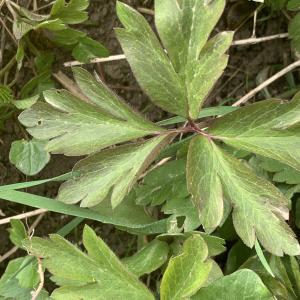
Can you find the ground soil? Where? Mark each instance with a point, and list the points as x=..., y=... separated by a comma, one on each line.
x=245, y=64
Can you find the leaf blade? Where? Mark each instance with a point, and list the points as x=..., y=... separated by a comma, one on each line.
x=258, y=207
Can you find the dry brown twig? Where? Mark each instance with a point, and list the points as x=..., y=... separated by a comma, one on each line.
x=23, y=216
x=270, y=80
x=234, y=43
x=34, y=294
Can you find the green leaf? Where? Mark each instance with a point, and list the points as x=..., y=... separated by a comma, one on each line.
x=293, y=5
x=27, y=184
x=237, y=255
x=268, y=128
x=215, y=244
x=294, y=32
x=30, y=157
x=148, y=259
x=204, y=184
x=25, y=103
x=44, y=61
x=37, y=84
x=72, y=12
x=283, y=173
x=285, y=284
x=181, y=85
x=159, y=80
x=258, y=207
x=87, y=274
x=100, y=95
x=17, y=232
x=183, y=207
x=126, y=215
x=215, y=274
x=184, y=28
x=241, y=285
x=19, y=279
x=52, y=25
x=276, y=4
x=88, y=49
x=187, y=272
x=262, y=258
x=75, y=127
x=66, y=37
x=111, y=173
x=164, y=183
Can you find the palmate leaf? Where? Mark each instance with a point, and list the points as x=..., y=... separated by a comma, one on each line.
x=96, y=275
x=110, y=173
x=269, y=128
x=188, y=271
x=75, y=127
x=180, y=82
x=259, y=208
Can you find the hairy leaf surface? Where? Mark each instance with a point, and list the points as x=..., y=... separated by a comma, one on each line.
x=76, y=127
x=184, y=27
x=258, y=207
x=110, y=173
x=149, y=62
x=268, y=128
x=96, y=275
x=178, y=81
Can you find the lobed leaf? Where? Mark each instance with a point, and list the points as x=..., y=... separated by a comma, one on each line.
x=258, y=207
x=269, y=128
x=106, y=278
x=149, y=62
x=184, y=28
x=110, y=173
x=180, y=80
x=75, y=127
